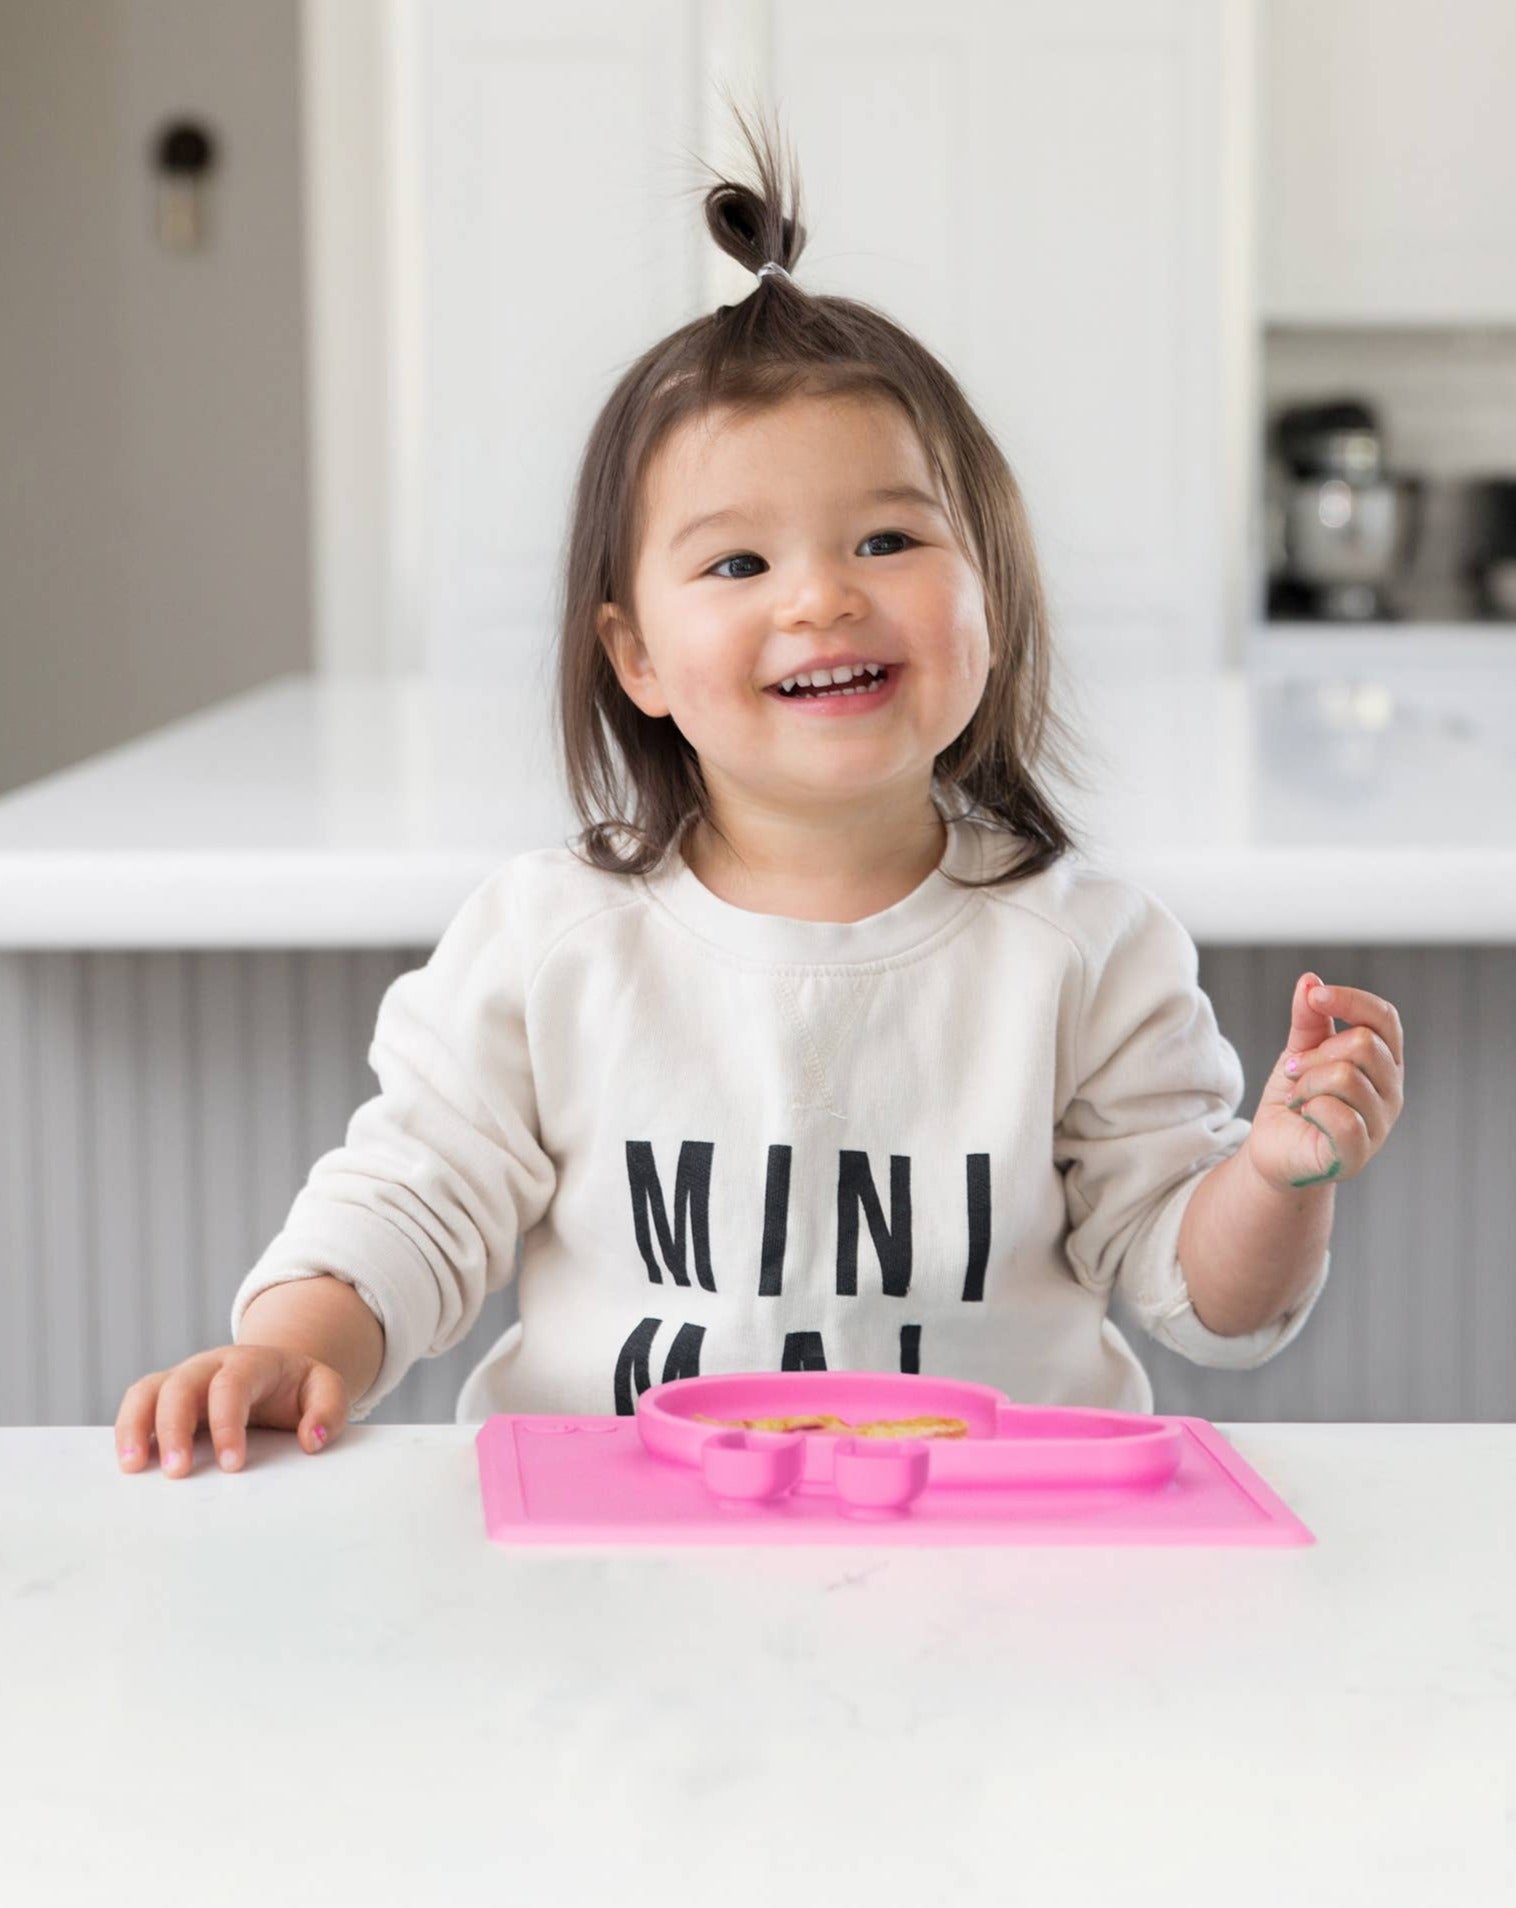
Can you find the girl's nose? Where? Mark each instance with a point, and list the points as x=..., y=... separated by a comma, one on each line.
x=822, y=593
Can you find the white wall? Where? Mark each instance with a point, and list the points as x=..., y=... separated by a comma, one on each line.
x=153, y=538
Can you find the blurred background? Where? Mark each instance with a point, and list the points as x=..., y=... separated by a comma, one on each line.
x=306, y=307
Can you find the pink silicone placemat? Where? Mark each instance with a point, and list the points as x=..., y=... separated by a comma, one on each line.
x=591, y=1480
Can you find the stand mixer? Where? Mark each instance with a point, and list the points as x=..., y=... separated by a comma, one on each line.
x=1341, y=528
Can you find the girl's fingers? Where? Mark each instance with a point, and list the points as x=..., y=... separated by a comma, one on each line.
x=179, y=1410
x=1362, y=1009
x=1345, y=1127
x=1350, y=1087
x=1360, y=1048
x=227, y=1389
x=134, y=1421
x=1359, y=1044
x=228, y=1402
x=323, y=1407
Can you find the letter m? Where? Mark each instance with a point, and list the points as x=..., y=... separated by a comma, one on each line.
x=692, y=1201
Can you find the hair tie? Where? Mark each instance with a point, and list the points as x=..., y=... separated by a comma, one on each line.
x=773, y=266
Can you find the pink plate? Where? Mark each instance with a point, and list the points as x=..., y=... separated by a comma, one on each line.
x=1023, y=1475
x=1051, y=1445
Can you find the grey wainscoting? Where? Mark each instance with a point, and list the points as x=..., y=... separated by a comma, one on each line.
x=158, y=1111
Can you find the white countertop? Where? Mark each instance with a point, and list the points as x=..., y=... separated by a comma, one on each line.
x=317, y=1679
x=318, y=812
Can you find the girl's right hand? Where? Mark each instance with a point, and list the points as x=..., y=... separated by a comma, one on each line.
x=228, y=1389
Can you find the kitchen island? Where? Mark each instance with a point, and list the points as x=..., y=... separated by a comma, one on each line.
x=196, y=929
x=317, y=1678
x=320, y=812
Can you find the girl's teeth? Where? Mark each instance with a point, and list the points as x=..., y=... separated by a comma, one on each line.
x=865, y=690
x=860, y=685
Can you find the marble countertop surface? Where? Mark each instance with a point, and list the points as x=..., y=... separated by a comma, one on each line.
x=317, y=1679
x=320, y=812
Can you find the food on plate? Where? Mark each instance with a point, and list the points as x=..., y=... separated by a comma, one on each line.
x=839, y=1427
x=810, y=1421
x=912, y=1428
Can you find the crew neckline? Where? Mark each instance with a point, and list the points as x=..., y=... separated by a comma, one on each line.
x=787, y=940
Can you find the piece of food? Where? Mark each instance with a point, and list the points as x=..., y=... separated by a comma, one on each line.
x=839, y=1427
x=811, y=1421
x=912, y=1428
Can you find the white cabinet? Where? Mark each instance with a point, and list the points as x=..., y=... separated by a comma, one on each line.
x=1041, y=194
x=557, y=248
x=1388, y=172
x=1048, y=196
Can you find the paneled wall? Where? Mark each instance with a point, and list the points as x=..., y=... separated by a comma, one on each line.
x=158, y=1111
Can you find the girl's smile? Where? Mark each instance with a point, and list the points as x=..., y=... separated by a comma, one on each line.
x=860, y=697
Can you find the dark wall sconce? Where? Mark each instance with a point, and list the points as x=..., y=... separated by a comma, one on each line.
x=184, y=157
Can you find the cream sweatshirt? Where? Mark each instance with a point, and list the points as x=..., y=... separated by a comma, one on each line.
x=934, y=1140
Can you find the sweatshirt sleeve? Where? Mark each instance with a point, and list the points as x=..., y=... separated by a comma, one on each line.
x=421, y=1208
x=1153, y=1109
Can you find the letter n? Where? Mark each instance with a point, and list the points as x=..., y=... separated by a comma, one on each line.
x=892, y=1242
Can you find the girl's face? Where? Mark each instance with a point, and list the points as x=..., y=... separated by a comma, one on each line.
x=803, y=569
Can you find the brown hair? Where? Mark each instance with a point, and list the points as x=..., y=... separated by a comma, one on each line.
x=779, y=342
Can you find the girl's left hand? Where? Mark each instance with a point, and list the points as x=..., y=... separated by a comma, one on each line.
x=1327, y=1120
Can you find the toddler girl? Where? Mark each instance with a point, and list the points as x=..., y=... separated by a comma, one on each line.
x=823, y=1052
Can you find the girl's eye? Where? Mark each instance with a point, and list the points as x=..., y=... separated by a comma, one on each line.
x=747, y=556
